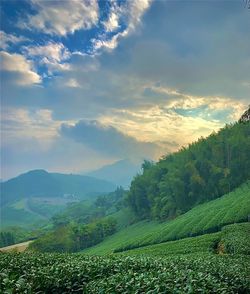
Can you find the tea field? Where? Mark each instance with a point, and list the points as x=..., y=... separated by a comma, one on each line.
x=205, y=218
x=77, y=273
x=202, y=244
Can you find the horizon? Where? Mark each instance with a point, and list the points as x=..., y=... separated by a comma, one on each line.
x=120, y=79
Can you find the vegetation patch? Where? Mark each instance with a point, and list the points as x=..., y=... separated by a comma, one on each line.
x=201, y=172
x=76, y=273
x=205, y=218
x=201, y=244
x=236, y=239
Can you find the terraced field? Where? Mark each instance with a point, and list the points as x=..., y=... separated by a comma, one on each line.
x=202, y=244
x=205, y=218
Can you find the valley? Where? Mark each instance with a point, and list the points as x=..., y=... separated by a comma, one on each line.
x=182, y=227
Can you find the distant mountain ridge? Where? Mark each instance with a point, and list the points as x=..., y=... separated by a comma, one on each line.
x=120, y=173
x=40, y=183
x=32, y=198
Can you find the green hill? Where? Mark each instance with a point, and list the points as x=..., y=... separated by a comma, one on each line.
x=205, y=218
x=207, y=243
x=37, y=195
x=202, y=171
x=233, y=239
x=40, y=183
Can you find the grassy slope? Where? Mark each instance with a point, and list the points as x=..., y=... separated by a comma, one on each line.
x=230, y=208
x=11, y=216
x=201, y=244
x=233, y=239
x=27, y=213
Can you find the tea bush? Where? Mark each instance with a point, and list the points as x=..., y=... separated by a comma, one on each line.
x=76, y=273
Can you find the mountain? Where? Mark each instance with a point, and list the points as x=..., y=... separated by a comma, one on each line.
x=40, y=183
x=121, y=172
x=37, y=195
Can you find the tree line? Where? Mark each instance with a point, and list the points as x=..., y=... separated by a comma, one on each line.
x=205, y=170
x=75, y=237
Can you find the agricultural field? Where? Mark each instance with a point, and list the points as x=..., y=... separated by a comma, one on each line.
x=31, y=211
x=205, y=218
x=202, y=244
x=235, y=239
x=77, y=273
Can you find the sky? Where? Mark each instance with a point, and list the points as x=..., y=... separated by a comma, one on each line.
x=85, y=83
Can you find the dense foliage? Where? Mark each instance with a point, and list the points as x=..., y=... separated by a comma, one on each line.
x=86, y=212
x=245, y=116
x=14, y=235
x=236, y=239
x=6, y=238
x=205, y=170
x=74, y=237
x=83, y=224
x=75, y=273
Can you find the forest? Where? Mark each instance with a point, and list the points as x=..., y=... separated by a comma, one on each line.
x=200, y=172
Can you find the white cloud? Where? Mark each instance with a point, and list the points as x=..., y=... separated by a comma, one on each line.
x=177, y=99
x=72, y=83
x=112, y=23
x=52, y=55
x=130, y=13
x=8, y=39
x=136, y=10
x=20, y=69
x=29, y=122
x=53, y=52
x=159, y=124
x=62, y=17
x=110, y=44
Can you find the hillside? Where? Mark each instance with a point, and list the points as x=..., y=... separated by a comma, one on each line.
x=203, y=171
x=205, y=218
x=37, y=195
x=194, y=191
x=233, y=239
x=40, y=183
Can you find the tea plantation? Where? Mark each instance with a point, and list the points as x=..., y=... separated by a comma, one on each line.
x=205, y=218
x=76, y=273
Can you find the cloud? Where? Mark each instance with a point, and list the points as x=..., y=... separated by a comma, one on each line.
x=18, y=70
x=52, y=55
x=7, y=40
x=175, y=76
x=21, y=123
x=128, y=14
x=112, y=23
x=107, y=139
x=62, y=17
x=30, y=140
x=175, y=99
x=72, y=83
x=161, y=125
x=52, y=52
x=184, y=49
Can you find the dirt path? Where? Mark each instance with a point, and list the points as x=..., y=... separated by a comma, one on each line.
x=20, y=247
